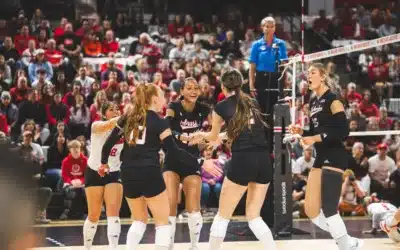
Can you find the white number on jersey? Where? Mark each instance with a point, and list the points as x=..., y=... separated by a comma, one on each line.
x=141, y=139
x=315, y=122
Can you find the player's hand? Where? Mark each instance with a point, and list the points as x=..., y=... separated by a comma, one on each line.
x=295, y=129
x=197, y=138
x=307, y=142
x=103, y=170
x=253, y=92
x=210, y=167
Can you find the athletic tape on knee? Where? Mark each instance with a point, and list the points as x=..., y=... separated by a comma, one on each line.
x=163, y=235
x=219, y=227
x=258, y=227
x=331, y=189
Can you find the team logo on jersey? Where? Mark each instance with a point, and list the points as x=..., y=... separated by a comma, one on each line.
x=315, y=110
x=185, y=124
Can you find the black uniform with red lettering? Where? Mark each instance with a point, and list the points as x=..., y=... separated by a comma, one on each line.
x=250, y=158
x=328, y=153
x=185, y=123
x=140, y=168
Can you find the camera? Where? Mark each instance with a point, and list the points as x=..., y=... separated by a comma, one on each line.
x=352, y=178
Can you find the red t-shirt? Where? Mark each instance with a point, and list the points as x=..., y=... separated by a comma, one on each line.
x=54, y=57
x=72, y=169
x=108, y=47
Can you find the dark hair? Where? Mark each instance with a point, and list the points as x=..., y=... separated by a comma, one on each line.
x=83, y=108
x=187, y=80
x=104, y=109
x=246, y=108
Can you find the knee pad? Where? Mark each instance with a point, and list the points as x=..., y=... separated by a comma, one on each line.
x=219, y=227
x=163, y=235
x=195, y=220
x=138, y=228
x=258, y=227
x=331, y=188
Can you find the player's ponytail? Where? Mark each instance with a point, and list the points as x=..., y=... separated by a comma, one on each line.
x=136, y=118
x=246, y=109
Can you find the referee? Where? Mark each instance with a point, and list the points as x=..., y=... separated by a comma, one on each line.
x=265, y=57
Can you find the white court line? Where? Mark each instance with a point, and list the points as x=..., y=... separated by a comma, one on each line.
x=59, y=244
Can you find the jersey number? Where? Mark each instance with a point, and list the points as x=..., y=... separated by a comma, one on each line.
x=141, y=139
x=113, y=152
x=315, y=122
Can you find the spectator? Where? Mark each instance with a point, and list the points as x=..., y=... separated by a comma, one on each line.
x=27, y=56
x=112, y=67
x=40, y=63
x=367, y=107
x=8, y=51
x=73, y=170
x=52, y=55
x=387, y=28
x=245, y=46
x=351, y=195
x=31, y=148
x=5, y=76
x=198, y=52
x=231, y=46
x=393, y=141
x=59, y=30
x=69, y=44
x=95, y=108
x=352, y=94
x=57, y=111
x=176, y=84
x=41, y=80
x=395, y=180
x=303, y=165
x=385, y=123
x=21, y=41
x=158, y=80
x=358, y=163
x=58, y=150
x=33, y=109
x=210, y=184
x=109, y=46
x=85, y=80
x=69, y=98
x=21, y=92
x=91, y=45
x=9, y=109
x=321, y=24
x=176, y=29
x=354, y=113
x=178, y=53
x=380, y=168
x=80, y=117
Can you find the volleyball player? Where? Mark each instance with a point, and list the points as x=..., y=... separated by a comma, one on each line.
x=328, y=129
x=145, y=131
x=250, y=167
x=107, y=189
x=185, y=116
x=391, y=225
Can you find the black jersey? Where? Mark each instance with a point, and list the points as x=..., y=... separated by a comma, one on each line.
x=321, y=119
x=148, y=144
x=186, y=122
x=252, y=139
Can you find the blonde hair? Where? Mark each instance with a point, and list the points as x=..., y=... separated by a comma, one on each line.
x=74, y=144
x=136, y=117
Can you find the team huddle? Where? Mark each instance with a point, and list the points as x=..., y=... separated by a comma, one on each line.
x=125, y=161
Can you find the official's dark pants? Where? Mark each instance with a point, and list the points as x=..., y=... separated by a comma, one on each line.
x=266, y=84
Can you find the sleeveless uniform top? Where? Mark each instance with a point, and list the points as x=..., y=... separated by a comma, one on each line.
x=321, y=119
x=96, y=145
x=186, y=123
x=252, y=139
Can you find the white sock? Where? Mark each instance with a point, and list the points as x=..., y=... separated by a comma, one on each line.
x=89, y=230
x=218, y=232
x=195, y=223
x=338, y=231
x=320, y=221
x=163, y=237
x=135, y=235
x=172, y=221
x=113, y=231
x=262, y=233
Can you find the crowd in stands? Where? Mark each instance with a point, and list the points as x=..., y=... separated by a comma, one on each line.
x=51, y=92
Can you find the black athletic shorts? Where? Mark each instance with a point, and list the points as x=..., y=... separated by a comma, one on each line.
x=93, y=179
x=181, y=169
x=245, y=167
x=331, y=157
x=142, y=181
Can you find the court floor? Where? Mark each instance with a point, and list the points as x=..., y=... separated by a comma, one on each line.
x=369, y=244
x=68, y=236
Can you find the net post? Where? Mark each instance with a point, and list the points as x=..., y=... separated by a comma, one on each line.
x=283, y=211
x=293, y=109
